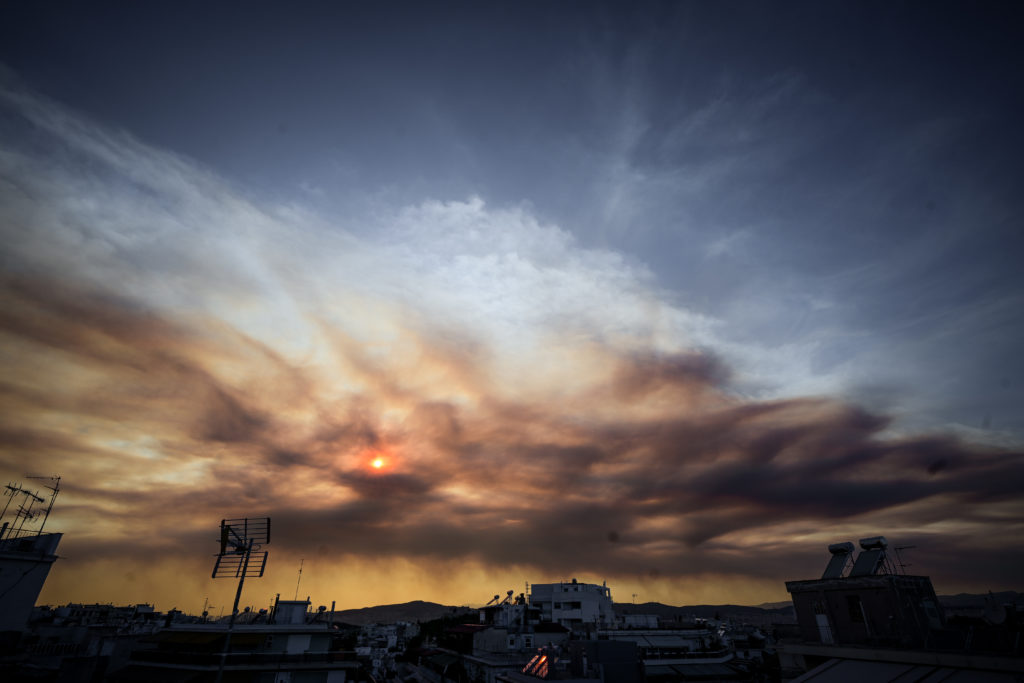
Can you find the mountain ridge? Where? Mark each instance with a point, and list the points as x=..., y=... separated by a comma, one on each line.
x=422, y=610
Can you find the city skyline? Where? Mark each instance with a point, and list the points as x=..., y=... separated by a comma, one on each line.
x=670, y=296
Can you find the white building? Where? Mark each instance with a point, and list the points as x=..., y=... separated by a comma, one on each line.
x=574, y=605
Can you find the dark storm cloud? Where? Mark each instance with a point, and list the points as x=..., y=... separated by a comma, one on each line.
x=396, y=488
x=130, y=341
x=543, y=490
x=61, y=316
x=643, y=374
x=555, y=533
x=550, y=529
x=227, y=419
x=510, y=485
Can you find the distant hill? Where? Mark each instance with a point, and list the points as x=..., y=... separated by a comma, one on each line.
x=978, y=599
x=783, y=612
x=414, y=611
x=418, y=610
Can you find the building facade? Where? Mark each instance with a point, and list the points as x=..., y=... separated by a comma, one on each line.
x=577, y=606
x=291, y=647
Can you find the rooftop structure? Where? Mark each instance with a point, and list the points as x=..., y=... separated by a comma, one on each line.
x=26, y=553
x=870, y=621
x=872, y=604
x=291, y=644
x=567, y=631
x=575, y=605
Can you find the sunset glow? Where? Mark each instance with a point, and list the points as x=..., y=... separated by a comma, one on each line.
x=463, y=300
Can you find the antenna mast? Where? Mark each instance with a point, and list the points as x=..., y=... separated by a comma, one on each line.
x=12, y=490
x=24, y=512
x=240, y=541
x=301, y=562
x=54, y=489
x=899, y=558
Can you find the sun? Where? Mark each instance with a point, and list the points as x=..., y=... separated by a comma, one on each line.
x=378, y=460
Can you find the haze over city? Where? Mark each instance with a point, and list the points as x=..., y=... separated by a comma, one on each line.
x=670, y=295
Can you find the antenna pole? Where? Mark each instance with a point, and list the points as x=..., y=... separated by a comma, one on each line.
x=899, y=558
x=55, y=488
x=234, y=611
x=238, y=539
x=25, y=513
x=13, y=492
x=301, y=562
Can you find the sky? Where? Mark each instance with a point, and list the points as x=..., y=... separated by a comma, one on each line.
x=464, y=296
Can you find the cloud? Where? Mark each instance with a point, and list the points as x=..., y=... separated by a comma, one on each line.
x=181, y=353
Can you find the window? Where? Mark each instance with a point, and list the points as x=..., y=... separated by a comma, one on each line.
x=855, y=609
x=824, y=627
x=933, y=614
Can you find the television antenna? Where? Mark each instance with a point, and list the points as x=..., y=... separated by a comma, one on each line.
x=301, y=562
x=23, y=513
x=899, y=558
x=54, y=488
x=240, y=557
